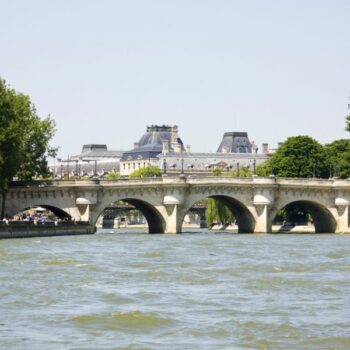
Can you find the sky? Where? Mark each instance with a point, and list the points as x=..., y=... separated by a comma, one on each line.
x=104, y=70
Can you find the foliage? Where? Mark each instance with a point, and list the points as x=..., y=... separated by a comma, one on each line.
x=299, y=156
x=24, y=140
x=293, y=212
x=217, y=172
x=113, y=176
x=243, y=172
x=263, y=169
x=150, y=171
x=216, y=212
x=338, y=158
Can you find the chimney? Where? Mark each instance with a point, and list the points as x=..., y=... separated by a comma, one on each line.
x=174, y=131
x=188, y=149
x=177, y=147
x=165, y=144
x=136, y=145
x=265, y=148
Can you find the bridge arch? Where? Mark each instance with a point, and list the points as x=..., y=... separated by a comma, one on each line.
x=156, y=222
x=322, y=218
x=58, y=212
x=244, y=218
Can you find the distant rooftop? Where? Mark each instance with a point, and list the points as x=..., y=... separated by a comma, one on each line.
x=97, y=151
x=235, y=142
x=151, y=142
x=94, y=147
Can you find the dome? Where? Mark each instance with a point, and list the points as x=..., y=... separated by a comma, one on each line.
x=151, y=143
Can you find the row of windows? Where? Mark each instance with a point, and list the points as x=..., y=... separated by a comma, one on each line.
x=134, y=166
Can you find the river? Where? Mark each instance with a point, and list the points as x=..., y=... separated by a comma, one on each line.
x=192, y=291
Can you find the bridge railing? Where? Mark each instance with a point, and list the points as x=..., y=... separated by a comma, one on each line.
x=176, y=179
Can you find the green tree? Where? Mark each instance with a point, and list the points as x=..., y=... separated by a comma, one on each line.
x=113, y=176
x=216, y=211
x=244, y=171
x=293, y=212
x=338, y=158
x=299, y=156
x=150, y=171
x=24, y=140
x=217, y=172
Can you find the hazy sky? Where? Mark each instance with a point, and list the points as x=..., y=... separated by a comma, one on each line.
x=106, y=69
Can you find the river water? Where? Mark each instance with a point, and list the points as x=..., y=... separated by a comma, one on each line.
x=190, y=291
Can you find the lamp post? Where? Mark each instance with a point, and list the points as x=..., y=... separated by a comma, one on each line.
x=164, y=166
x=68, y=166
x=61, y=170
x=237, y=165
x=254, y=167
x=182, y=166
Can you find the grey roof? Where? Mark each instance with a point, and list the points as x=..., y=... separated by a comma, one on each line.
x=151, y=143
x=235, y=142
x=98, y=155
x=201, y=161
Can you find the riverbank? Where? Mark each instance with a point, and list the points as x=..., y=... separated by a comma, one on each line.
x=29, y=229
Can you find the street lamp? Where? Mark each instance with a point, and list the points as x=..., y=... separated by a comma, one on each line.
x=254, y=166
x=68, y=166
x=61, y=167
x=164, y=166
x=182, y=166
x=237, y=165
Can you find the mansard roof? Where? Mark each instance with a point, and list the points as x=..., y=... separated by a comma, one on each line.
x=235, y=142
x=151, y=142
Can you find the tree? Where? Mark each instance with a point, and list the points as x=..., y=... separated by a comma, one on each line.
x=217, y=172
x=24, y=140
x=299, y=156
x=113, y=176
x=216, y=211
x=338, y=158
x=151, y=171
x=244, y=171
x=294, y=213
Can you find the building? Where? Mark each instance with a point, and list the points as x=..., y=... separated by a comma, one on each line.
x=95, y=160
x=161, y=146
x=157, y=140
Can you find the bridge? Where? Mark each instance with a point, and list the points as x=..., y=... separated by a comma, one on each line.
x=165, y=201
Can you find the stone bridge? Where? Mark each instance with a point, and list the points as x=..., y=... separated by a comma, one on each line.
x=165, y=201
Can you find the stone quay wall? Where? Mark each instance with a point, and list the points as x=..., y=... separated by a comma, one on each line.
x=29, y=229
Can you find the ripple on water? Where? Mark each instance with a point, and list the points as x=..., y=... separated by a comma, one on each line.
x=131, y=320
x=61, y=262
x=185, y=292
